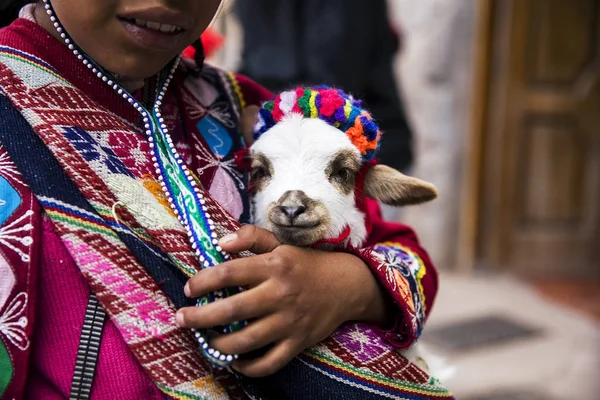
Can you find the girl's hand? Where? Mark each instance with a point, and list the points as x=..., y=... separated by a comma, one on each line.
x=297, y=297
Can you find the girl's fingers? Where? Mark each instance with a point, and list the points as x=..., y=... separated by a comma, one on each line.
x=255, y=336
x=242, y=306
x=247, y=271
x=271, y=362
x=250, y=238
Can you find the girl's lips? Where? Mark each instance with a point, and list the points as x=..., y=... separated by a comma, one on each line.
x=152, y=38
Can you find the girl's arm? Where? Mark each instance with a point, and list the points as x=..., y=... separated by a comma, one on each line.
x=405, y=271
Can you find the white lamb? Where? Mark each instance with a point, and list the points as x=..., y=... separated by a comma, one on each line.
x=305, y=172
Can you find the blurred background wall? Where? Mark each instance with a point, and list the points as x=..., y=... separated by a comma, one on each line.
x=503, y=97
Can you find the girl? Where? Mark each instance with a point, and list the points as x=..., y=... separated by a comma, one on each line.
x=117, y=176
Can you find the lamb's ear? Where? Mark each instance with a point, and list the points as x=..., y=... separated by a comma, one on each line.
x=394, y=188
x=248, y=120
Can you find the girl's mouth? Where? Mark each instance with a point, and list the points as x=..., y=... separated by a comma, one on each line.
x=155, y=35
x=155, y=26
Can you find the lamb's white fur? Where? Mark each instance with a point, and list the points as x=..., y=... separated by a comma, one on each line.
x=300, y=149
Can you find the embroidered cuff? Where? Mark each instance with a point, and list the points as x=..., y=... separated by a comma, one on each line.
x=400, y=272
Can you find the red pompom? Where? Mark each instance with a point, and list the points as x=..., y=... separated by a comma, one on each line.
x=211, y=41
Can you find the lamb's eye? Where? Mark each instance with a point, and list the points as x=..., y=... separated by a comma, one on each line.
x=343, y=175
x=259, y=172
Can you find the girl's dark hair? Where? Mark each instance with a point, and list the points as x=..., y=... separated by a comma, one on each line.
x=9, y=10
x=199, y=56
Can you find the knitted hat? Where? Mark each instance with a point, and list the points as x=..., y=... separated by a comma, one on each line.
x=331, y=105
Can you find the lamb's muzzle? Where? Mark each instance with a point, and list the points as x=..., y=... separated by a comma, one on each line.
x=297, y=219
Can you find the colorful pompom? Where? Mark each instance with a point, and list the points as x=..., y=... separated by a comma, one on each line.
x=331, y=105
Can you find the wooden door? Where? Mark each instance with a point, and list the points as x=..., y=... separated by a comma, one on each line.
x=538, y=208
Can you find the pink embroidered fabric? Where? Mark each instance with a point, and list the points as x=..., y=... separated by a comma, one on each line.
x=62, y=299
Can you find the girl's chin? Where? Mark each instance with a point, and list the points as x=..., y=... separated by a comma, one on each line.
x=135, y=68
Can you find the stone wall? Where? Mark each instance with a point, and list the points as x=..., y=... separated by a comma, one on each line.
x=434, y=77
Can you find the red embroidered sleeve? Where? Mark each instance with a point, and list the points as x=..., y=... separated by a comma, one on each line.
x=406, y=272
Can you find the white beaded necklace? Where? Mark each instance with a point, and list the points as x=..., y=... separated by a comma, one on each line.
x=177, y=182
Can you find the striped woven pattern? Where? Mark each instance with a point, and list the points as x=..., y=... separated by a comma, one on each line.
x=354, y=357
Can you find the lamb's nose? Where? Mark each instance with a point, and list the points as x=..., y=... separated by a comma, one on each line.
x=292, y=211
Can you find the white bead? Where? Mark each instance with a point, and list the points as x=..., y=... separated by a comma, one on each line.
x=229, y=358
x=71, y=47
x=211, y=351
x=222, y=358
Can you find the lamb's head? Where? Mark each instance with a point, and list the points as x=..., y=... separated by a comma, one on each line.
x=308, y=167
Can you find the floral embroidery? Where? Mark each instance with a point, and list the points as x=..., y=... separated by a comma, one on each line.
x=10, y=235
x=8, y=170
x=404, y=272
x=13, y=322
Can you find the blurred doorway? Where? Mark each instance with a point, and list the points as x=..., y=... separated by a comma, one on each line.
x=532, y=202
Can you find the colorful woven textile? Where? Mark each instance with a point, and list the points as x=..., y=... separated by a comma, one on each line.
x=94, y=178
x=329, y=104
